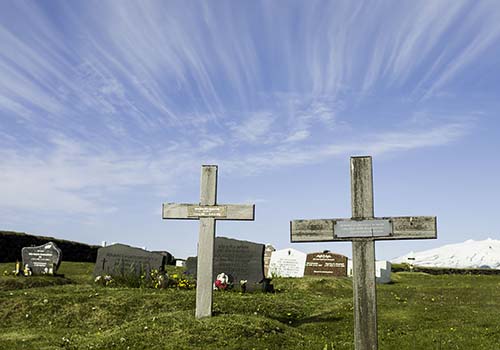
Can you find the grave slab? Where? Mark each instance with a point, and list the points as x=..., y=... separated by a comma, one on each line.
x=287, y=263
x=120, y=260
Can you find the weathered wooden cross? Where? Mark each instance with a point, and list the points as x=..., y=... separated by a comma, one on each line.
x=363, y=229
x=207, y=211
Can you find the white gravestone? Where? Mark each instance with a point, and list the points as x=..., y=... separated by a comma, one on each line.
x=287, y=263
x=382, y=271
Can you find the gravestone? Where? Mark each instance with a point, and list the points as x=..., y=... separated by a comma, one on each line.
x=363, y=229
x=123, y=260
x=383, y=271
x=42, y=260
x=191, y=264
x=240, y=260
x=169, y=258
x=287, y=263
x=267, y=258
x=180, y=262
x=326, y=264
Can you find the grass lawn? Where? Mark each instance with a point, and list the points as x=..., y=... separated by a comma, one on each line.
x=417, y=311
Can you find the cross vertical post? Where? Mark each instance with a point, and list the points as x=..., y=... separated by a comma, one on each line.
x=363, y=257
x=208, y=196
x=207, y=211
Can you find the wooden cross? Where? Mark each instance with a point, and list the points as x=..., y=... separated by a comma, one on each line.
x=207, y=211
x=363, y=229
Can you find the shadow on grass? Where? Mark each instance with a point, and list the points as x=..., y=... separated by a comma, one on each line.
x=14, y=283
x=322, y=318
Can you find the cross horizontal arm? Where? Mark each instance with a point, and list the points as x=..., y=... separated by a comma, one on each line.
x=402, y=227
x=220, y=211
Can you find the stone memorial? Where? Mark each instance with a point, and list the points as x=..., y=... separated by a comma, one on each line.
x=363, y=229
x=326, y=264
x=267, y=258
x=383, y=271
x=287, y=263
x=191, y=264
x=123, y=260
x=169, y=258
x=41, y=260
x=240, y=260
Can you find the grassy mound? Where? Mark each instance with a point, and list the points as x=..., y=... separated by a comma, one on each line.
x=417, y=311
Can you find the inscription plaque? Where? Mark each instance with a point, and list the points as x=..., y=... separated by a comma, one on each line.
x=207, y=211
x=326, y=264
x=363, y=228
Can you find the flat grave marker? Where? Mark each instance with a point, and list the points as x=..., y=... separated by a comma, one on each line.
x=207, y=212
x=363, y=229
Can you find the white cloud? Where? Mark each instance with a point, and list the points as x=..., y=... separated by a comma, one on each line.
x=257, y=128
x=77, y=178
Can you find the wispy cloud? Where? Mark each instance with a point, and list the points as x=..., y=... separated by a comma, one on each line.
x=110, y=98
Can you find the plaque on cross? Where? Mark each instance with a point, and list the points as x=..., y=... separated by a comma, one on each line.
x=207, y=211
x=363, y=229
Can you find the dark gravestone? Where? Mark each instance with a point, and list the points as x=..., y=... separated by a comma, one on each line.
x=123, y=260
x=326, y=264
x=41, y=260
x=169, y=258
x=240, y=260
x=191, y=265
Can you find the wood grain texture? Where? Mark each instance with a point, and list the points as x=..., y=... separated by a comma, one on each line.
x=319, y=230
x=323, y=230
x=205, y=268
x=413, y=227
x=363, y=258
x=208, y=185
x=361, y=187
x=365, y=296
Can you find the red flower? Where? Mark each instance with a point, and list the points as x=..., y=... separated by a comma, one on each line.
x=220, y=284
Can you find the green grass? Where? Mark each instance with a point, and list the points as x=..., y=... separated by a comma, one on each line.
x=417, y=311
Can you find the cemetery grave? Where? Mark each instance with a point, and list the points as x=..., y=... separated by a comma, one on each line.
x=363, y=229
x=418, y=311
x=326, y=264
x=207, y=212
x=41, y=260
x=287, y=263
x=120, y=260
x=268, y=251
x=240, y=260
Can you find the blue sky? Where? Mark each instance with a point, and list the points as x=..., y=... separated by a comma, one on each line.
x=109, y=108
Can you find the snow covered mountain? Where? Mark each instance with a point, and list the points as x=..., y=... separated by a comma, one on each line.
x=469, y=254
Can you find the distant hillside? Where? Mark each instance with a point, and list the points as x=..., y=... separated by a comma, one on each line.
x=11, y=244
x=467, y=255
